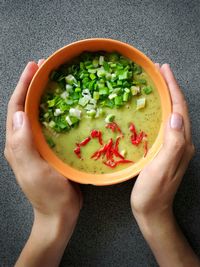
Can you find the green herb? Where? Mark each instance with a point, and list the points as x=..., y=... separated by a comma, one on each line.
x=147, y=90
x=89, y=83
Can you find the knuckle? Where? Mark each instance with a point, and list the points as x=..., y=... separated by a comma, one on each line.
x=10, y=102
x=6, y=153
x=185, y=104
x=178, y=143
x=191, y=150
x=16, y=144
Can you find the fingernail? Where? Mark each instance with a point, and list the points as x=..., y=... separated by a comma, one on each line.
x=40, y=61
x=157, y=65
x=17, y=120
x=176, y=121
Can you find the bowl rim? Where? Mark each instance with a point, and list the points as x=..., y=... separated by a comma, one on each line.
x=72, y=173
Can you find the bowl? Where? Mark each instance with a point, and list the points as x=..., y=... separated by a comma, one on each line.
x=39, y=82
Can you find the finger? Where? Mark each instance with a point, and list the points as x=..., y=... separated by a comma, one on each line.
x=17, y=100
x=22, y=145
x=187, y=156
x=178, y=101
x=40, y=62
x=167, y=160
x=157, y=65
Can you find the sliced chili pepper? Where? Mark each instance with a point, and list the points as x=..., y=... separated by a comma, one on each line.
x=133, y=130
x=145, y=148
x=138, y=139
x=117, y=154
x=114, y=127
x=98, y=153
x=116, y=149
x=124, y=161
x=100, y=138
x=85, y=141
x=110, y=150
x=77, y=151
x=117, y=143
x=97, y=134
x=110, y=163
x=109, y=154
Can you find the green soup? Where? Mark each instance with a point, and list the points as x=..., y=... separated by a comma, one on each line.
x=123, y=94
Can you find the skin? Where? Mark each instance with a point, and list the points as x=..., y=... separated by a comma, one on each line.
x=55, y=217
x=153, y=193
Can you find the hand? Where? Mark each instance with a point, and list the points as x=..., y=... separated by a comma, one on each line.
x=154, y=190
x=156, y=186
x=55, y=200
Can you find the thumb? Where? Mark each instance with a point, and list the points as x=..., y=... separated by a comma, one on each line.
x=168, y=159
x=22, y=143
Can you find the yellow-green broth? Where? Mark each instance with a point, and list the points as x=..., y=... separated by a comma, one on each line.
x=147, y=119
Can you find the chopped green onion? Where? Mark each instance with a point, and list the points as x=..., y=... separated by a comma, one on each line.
x=52, y=124
x=147, y=90
x=125, y=96
x=123, y=75
x=88, y=83
x=101, y=60
x=110, y=118
x=96, y=95
x=140, y=103
x=91, y=113
x=92, y=76
x=118, y=100
x=83, y=101
x=103, y=91
x=106, y=66
x=70, y=79
x=135, y=90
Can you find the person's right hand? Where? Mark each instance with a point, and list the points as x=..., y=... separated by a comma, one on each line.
x=154, y=190
x=156, y=185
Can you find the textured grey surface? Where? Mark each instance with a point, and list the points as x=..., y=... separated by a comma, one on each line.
x=167, y=31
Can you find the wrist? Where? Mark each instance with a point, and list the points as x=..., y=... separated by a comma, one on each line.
x=155, y=224
x=47, y=241
x=53, y=228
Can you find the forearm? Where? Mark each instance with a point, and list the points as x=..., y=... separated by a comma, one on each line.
x=167, y=242
x=47, y=242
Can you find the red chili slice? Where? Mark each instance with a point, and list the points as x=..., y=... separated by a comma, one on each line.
x=117, y=154
x=133, y=130
x=85, y=141
x=116, y=149
x=110, y=163
x=108, y=151
x=98, y=153
x=97, y=134
x=77, y=151
x=117, y=143
x=114, y=127
x=124, y=161
x=109, y=154
x=138, y=139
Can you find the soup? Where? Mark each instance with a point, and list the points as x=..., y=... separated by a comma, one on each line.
x=100, y=113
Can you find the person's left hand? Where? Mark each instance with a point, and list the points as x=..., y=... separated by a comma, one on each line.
x=50, y=194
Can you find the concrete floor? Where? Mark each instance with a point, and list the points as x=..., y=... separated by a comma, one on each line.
x=167, y=31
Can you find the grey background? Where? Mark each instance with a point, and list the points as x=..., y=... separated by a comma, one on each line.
x=167, y=31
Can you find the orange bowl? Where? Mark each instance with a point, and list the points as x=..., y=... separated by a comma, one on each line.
x=37, y=87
